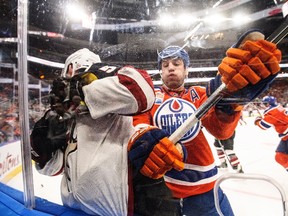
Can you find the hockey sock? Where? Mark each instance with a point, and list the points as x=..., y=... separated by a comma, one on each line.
x=233, y=159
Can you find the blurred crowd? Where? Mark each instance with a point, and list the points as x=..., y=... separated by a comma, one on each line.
x=278, y=89
x=9, y=113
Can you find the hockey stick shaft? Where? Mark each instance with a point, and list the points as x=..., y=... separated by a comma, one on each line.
x=259, y=113
x=214, y=98
x=218, y=94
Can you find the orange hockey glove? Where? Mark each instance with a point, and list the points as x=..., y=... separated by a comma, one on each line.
x=247, y=70
x=163, y=158
x=153, y=154
x=252, y=62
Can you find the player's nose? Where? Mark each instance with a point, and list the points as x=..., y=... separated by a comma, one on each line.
x=171, y=66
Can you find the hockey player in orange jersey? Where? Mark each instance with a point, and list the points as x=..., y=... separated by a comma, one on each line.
x=276, y=116
x=192, y=181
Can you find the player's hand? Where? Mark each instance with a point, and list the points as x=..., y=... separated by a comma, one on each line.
x=153, y=154
x=59, y=88
x=257, y=120
x=252, y=62
x=247, y=71
x=43, y=145
x=81, y=109
x=164, y=156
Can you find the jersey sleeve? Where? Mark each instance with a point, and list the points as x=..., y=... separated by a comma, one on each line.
x=220, y=124
x=129, y=92
x=142, y=120
x=276, y=117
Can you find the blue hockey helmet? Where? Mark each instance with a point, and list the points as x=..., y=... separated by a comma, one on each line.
x=173, y=52
x=270, y=100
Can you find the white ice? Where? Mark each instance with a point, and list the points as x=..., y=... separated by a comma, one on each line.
x=255, y=149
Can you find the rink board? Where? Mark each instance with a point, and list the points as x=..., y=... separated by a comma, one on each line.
x=11, y=199
x=12, y=203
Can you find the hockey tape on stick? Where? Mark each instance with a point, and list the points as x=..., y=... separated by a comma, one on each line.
x=217, y=95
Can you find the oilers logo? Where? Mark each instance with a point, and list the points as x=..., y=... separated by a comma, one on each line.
x=171, y=114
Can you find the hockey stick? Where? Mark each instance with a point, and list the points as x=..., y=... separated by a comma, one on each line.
x=218, y=94
x=259, y=113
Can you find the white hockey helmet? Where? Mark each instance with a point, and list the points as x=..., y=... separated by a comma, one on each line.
x=81, y=61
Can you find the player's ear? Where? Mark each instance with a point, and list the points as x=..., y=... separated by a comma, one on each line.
x=70, y=70
x=186, y=72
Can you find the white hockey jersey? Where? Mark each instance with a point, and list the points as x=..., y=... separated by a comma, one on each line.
x=95, y=177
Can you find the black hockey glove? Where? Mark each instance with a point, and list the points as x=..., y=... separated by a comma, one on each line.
x=59, y=89
x=48, y=135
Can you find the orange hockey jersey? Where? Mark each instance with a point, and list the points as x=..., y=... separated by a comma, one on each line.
x=277, y=117
x=170, y=110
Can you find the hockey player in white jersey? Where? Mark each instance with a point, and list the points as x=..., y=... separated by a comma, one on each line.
x=94, y=165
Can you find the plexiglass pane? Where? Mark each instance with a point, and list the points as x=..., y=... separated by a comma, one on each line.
x=126, y=32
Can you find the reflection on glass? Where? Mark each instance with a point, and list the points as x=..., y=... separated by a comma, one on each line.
x=121, y=33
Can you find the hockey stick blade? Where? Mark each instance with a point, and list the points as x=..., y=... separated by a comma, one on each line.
x=218, y=94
